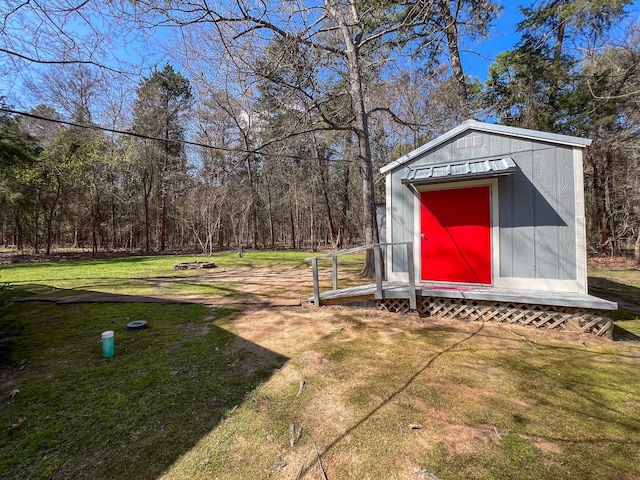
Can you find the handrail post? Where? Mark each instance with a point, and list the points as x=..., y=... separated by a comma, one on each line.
x=334, y=271
x=413, y=304
x=378, y=265
x=316, y=282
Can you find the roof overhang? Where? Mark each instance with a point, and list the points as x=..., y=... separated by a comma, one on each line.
x=455, y=171
x=472, y=125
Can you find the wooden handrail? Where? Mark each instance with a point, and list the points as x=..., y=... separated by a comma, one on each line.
x=378, y=262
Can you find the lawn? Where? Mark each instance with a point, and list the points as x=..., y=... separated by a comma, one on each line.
x=250, y=392
x=137, y=275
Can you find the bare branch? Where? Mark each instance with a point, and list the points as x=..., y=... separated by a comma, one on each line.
x=60, y=62
x=413, y=126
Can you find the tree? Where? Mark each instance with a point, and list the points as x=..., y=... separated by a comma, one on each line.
x=288, y=87
x=18, y=152
x=17, y=147
x=521, y=88
x=527, y=86
x=162, y=100
x=456, y=20
x=608, y=87
x=584, y=86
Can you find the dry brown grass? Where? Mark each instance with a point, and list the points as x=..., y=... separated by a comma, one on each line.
x=386, y=396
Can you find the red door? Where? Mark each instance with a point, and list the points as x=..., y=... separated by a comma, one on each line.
x=456, y=235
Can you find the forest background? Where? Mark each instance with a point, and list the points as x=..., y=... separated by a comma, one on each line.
x=162, y=125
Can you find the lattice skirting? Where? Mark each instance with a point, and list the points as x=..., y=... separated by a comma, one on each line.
x=539, y=316
x=394, y=305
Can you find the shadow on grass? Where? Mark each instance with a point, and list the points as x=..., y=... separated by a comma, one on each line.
x=392, y=396
x=628, y=299
x=130, y=416
x=178, y=292
x=65, y=261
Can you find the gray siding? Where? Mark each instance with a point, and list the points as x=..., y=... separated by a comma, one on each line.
x=536, y=204
x=381, y=219
x=402, y=199
x=537, y=216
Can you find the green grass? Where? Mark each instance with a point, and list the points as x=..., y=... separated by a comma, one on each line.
x=155, y=275
x=130, y=416
x=138, y=275
x=140, y=267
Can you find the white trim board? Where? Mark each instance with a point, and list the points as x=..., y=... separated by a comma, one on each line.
x=580, y=223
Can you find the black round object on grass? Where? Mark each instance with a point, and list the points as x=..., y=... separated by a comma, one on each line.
x=137, y=325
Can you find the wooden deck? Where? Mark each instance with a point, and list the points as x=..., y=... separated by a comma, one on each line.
x=568, y=311
x=394, y=290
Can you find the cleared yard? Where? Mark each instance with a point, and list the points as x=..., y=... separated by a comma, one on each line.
x=230, y=387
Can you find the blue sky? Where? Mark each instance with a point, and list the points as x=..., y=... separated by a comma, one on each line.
x=503, y=36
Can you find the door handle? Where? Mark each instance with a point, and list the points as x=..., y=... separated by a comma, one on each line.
x=423, y=236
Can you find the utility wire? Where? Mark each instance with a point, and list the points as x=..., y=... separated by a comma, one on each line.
x=150, y=137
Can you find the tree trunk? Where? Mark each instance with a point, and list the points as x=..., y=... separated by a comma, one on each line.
x=163, y=221
x=312, y=226
x=95, y=216
x=94, y=233
x=342, y=224
x=52, y=210
x=361, y=130
x=272, y=236
x=147, y=183
x=253, y=214
x=609, y=200
x=113, y=225
x=19, y=240
x=147, y=227
x=293, y=229
x=36, y=215
x=451, y=30
x=325, y=191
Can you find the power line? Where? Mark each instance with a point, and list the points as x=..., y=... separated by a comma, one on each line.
x=150, y=137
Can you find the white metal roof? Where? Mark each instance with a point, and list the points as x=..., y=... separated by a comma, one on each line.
x=459, y=170
x=489, y=128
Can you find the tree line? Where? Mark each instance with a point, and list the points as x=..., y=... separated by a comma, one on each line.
x=268, y=122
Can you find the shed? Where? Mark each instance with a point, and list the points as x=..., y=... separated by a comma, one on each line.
x=486, y=222
x=494, y=213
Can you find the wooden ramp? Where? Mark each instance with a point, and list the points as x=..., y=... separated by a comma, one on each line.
x=363, y=293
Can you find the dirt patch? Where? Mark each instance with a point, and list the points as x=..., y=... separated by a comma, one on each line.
x=544, y=445
x=466, y=438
